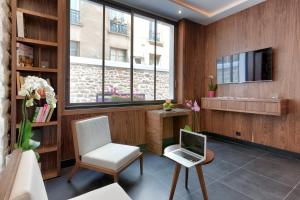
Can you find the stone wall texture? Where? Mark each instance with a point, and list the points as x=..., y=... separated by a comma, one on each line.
x=86, y=82
x=5, y=32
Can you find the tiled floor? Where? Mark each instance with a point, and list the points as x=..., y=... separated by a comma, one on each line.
x=238, y=173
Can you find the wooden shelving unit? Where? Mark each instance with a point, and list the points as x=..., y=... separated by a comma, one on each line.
x=42, y=22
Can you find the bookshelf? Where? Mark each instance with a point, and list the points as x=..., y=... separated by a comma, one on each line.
x=41, y=26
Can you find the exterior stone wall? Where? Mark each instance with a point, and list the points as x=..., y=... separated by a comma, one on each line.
x=5, y=31
x=86, y=82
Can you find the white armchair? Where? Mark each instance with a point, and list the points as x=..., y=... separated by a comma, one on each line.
x=23, y=181
x=94, y=149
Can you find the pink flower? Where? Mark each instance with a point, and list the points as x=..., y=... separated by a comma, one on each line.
x=189, y=103
x=196, y=107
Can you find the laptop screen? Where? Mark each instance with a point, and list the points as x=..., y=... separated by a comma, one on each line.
x=193, y=143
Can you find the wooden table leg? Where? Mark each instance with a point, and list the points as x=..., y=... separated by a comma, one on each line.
x=175, y=178
x=186, y=177
x=202, y=182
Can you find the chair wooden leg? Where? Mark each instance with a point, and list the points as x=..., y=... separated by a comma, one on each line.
x=186, y=177
x=141, y=164
x=116, y=178
x=202, y=182
x=73, y=171
x=175, y=179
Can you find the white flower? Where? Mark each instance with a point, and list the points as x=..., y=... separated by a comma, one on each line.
x=31, y=88
x=29, y=102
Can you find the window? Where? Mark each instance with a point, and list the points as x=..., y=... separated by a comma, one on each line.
x=118, y=54
x=152, y=33
x=74, y=12
x=115, y=59
x=118, y=22
x=151, y=59
x=74, y=48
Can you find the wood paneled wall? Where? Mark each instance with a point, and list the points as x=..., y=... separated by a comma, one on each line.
x=274, y=23
x=190, y=60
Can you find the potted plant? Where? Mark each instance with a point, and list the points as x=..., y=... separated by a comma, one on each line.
x=33, y=89
x=212, y=87
x=168, y=105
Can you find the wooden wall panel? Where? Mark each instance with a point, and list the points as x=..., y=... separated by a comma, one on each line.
x=190, y=60
x=274, y=23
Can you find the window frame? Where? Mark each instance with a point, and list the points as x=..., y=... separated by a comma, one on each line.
x=132, y=11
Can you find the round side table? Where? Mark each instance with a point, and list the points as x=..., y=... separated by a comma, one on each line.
x=209, y=158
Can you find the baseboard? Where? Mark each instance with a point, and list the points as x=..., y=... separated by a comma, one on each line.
x=252, y=144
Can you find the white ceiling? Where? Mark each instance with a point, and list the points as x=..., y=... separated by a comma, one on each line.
x=200, y=11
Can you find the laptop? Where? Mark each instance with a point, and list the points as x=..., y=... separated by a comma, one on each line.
x=192, y=149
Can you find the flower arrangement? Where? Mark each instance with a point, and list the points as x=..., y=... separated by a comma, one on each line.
x=196, y=109
x=168, y=105
x=33, y=89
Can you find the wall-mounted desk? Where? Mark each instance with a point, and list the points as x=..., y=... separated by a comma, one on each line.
x=162, y=125
x=275, y=107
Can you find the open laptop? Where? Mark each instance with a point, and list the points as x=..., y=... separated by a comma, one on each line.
x=192, y=149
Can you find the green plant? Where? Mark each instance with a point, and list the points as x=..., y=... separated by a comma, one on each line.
x=187, y=128
x=168, y=105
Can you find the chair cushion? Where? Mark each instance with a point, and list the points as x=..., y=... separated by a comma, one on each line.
x=112, y=156
x=28, y=183
x=112, y=191
x=92, y=133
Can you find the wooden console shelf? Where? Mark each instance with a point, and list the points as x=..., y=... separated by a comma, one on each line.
x=275, y=107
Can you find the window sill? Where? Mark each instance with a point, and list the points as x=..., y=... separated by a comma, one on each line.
x=88, y=109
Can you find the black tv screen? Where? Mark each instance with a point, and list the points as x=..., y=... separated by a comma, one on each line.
x=245, y=67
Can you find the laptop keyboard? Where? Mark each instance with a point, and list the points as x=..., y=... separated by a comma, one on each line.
x=186, y=156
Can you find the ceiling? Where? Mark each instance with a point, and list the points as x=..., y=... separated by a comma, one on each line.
x=200, y=11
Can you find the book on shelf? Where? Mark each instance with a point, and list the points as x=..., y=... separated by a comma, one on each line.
x=50, y=115
x=20, y=81
x=20, y=24
x=35, y=115
x=42, y=114
x=24, y=55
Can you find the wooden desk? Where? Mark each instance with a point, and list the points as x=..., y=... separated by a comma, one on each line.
x=162, y=125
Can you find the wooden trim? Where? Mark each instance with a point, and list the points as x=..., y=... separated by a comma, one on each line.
x=9, y=174
x=37, y=14
x=37, y=69
x=110, y=109
x=37, y=42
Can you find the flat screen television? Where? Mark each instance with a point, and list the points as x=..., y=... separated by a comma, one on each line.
x=245, y=67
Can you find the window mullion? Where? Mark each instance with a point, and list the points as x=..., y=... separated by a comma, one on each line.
x=103, y=53
x=155, y=33
x=131, y=56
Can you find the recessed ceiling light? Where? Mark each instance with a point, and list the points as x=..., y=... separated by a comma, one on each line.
x=179, y=12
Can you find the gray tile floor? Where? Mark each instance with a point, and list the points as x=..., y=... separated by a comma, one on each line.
x=238, y=173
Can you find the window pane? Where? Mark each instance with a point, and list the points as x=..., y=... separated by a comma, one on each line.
x=235, y=68
x=117, y=55
x=86, y=52
x=227, y=69
x=143, y=53
x=164, y=61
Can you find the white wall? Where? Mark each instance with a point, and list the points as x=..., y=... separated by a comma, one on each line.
x=5, y=32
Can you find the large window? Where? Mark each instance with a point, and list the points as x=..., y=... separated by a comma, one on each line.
x=118, y=56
